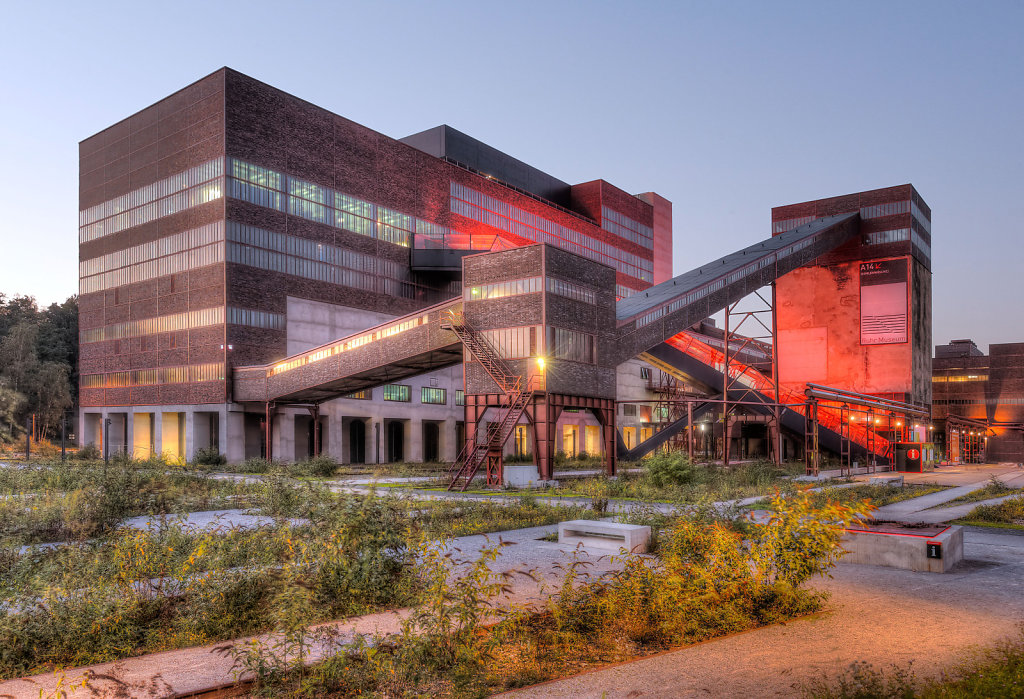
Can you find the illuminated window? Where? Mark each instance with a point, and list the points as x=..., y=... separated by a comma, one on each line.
x=513, y=287
x=435, y=396
x=513, y=343
x=365, y=394
x=396, y=392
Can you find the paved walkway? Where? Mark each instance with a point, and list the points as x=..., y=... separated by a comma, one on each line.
x=882, y=616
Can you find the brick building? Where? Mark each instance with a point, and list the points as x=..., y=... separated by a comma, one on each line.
x=978, y=401
x=860, y=317
x=232, y=224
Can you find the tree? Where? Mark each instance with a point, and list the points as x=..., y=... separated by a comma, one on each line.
x=10, y=403
x=52, y=394
x=18, y=357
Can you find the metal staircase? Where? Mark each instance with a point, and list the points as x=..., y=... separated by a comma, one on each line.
x=517, y=396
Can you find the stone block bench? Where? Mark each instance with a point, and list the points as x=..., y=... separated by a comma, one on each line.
x=886, y=480
x=612, y=536
x=925, y=548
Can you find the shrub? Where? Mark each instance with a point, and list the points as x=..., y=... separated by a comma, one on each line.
x=88, y=453
x=666, y=469
x=209, y=456
x=322, y=466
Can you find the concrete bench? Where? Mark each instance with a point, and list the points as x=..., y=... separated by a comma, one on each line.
x=925, y=549
x=886, y=480
x=612, y=536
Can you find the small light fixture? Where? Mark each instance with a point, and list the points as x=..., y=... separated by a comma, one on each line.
x=540, y=363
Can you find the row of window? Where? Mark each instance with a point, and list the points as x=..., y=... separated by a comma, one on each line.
x=277, y=252
x=896, y=235
x=922, y=245
x=160, y=324
x=265, y=187
x=158, y=208
x=498, y=214
x=625, y=227
x=960, y=379
x=920, y=217
x=570, y=290
x=146, y=252
x=987, y=401
x=256, y=319
x=210, y=170
x=349, y=344
x=790, y=223
x=623, y=292
x=188, y=260
x=398, y=392
x=891, y=208
x=152, y=377
x=497, y=290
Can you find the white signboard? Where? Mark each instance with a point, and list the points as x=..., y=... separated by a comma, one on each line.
x=884, y=293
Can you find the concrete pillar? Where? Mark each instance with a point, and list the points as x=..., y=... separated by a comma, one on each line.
x=376, y=446
x=199, y=434
x=413, y=450
x=158, y=433
x=232, y=436
x=335, y=440
x=170, y=439
x=284, y=436
x=449, y=447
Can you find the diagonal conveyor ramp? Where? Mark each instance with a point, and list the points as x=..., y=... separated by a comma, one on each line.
x=416, y=343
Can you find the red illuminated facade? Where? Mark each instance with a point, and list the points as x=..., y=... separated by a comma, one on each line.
x=859, y=318
x=220, y=224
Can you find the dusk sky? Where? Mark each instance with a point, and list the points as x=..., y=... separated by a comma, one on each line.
x=726, y=109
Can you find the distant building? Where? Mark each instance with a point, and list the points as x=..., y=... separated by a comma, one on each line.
x=978, y=401
x=232, y=224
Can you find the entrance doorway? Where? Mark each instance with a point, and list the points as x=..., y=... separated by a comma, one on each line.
x=396, y=441
x=431, y=441
x=357, y=442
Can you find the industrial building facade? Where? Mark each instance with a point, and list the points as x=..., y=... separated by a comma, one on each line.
x=232, y=224
x=978, y=401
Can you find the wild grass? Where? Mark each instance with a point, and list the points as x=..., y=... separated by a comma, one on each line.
x=464, y=639
x=997, y=671
x=995, y=488
x=876, y=495
x=1008, y=514
x=120, y=592
x=673, y=477
x=57, y=502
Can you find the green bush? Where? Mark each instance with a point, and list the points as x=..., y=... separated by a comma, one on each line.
x=88, y=453
x=666, y=469
x=321, y=466
x=209, y=456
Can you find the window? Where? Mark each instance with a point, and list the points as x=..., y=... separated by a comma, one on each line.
x=629, y=410
x=645, y=372
x=198, y=185
x=513, y=287
x=460, y=397
x=435, y=396
x=499, y=214
x=365, y=394
x=397, y=392
x=513, y=343
x=572, y=345
x=570, y=290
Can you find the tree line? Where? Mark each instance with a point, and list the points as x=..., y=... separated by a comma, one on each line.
x=38, y=365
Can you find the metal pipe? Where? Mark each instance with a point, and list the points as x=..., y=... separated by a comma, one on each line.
x=867, y=402
x=877, y=400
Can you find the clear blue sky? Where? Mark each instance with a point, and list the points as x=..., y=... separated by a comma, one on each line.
x=725, y=108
